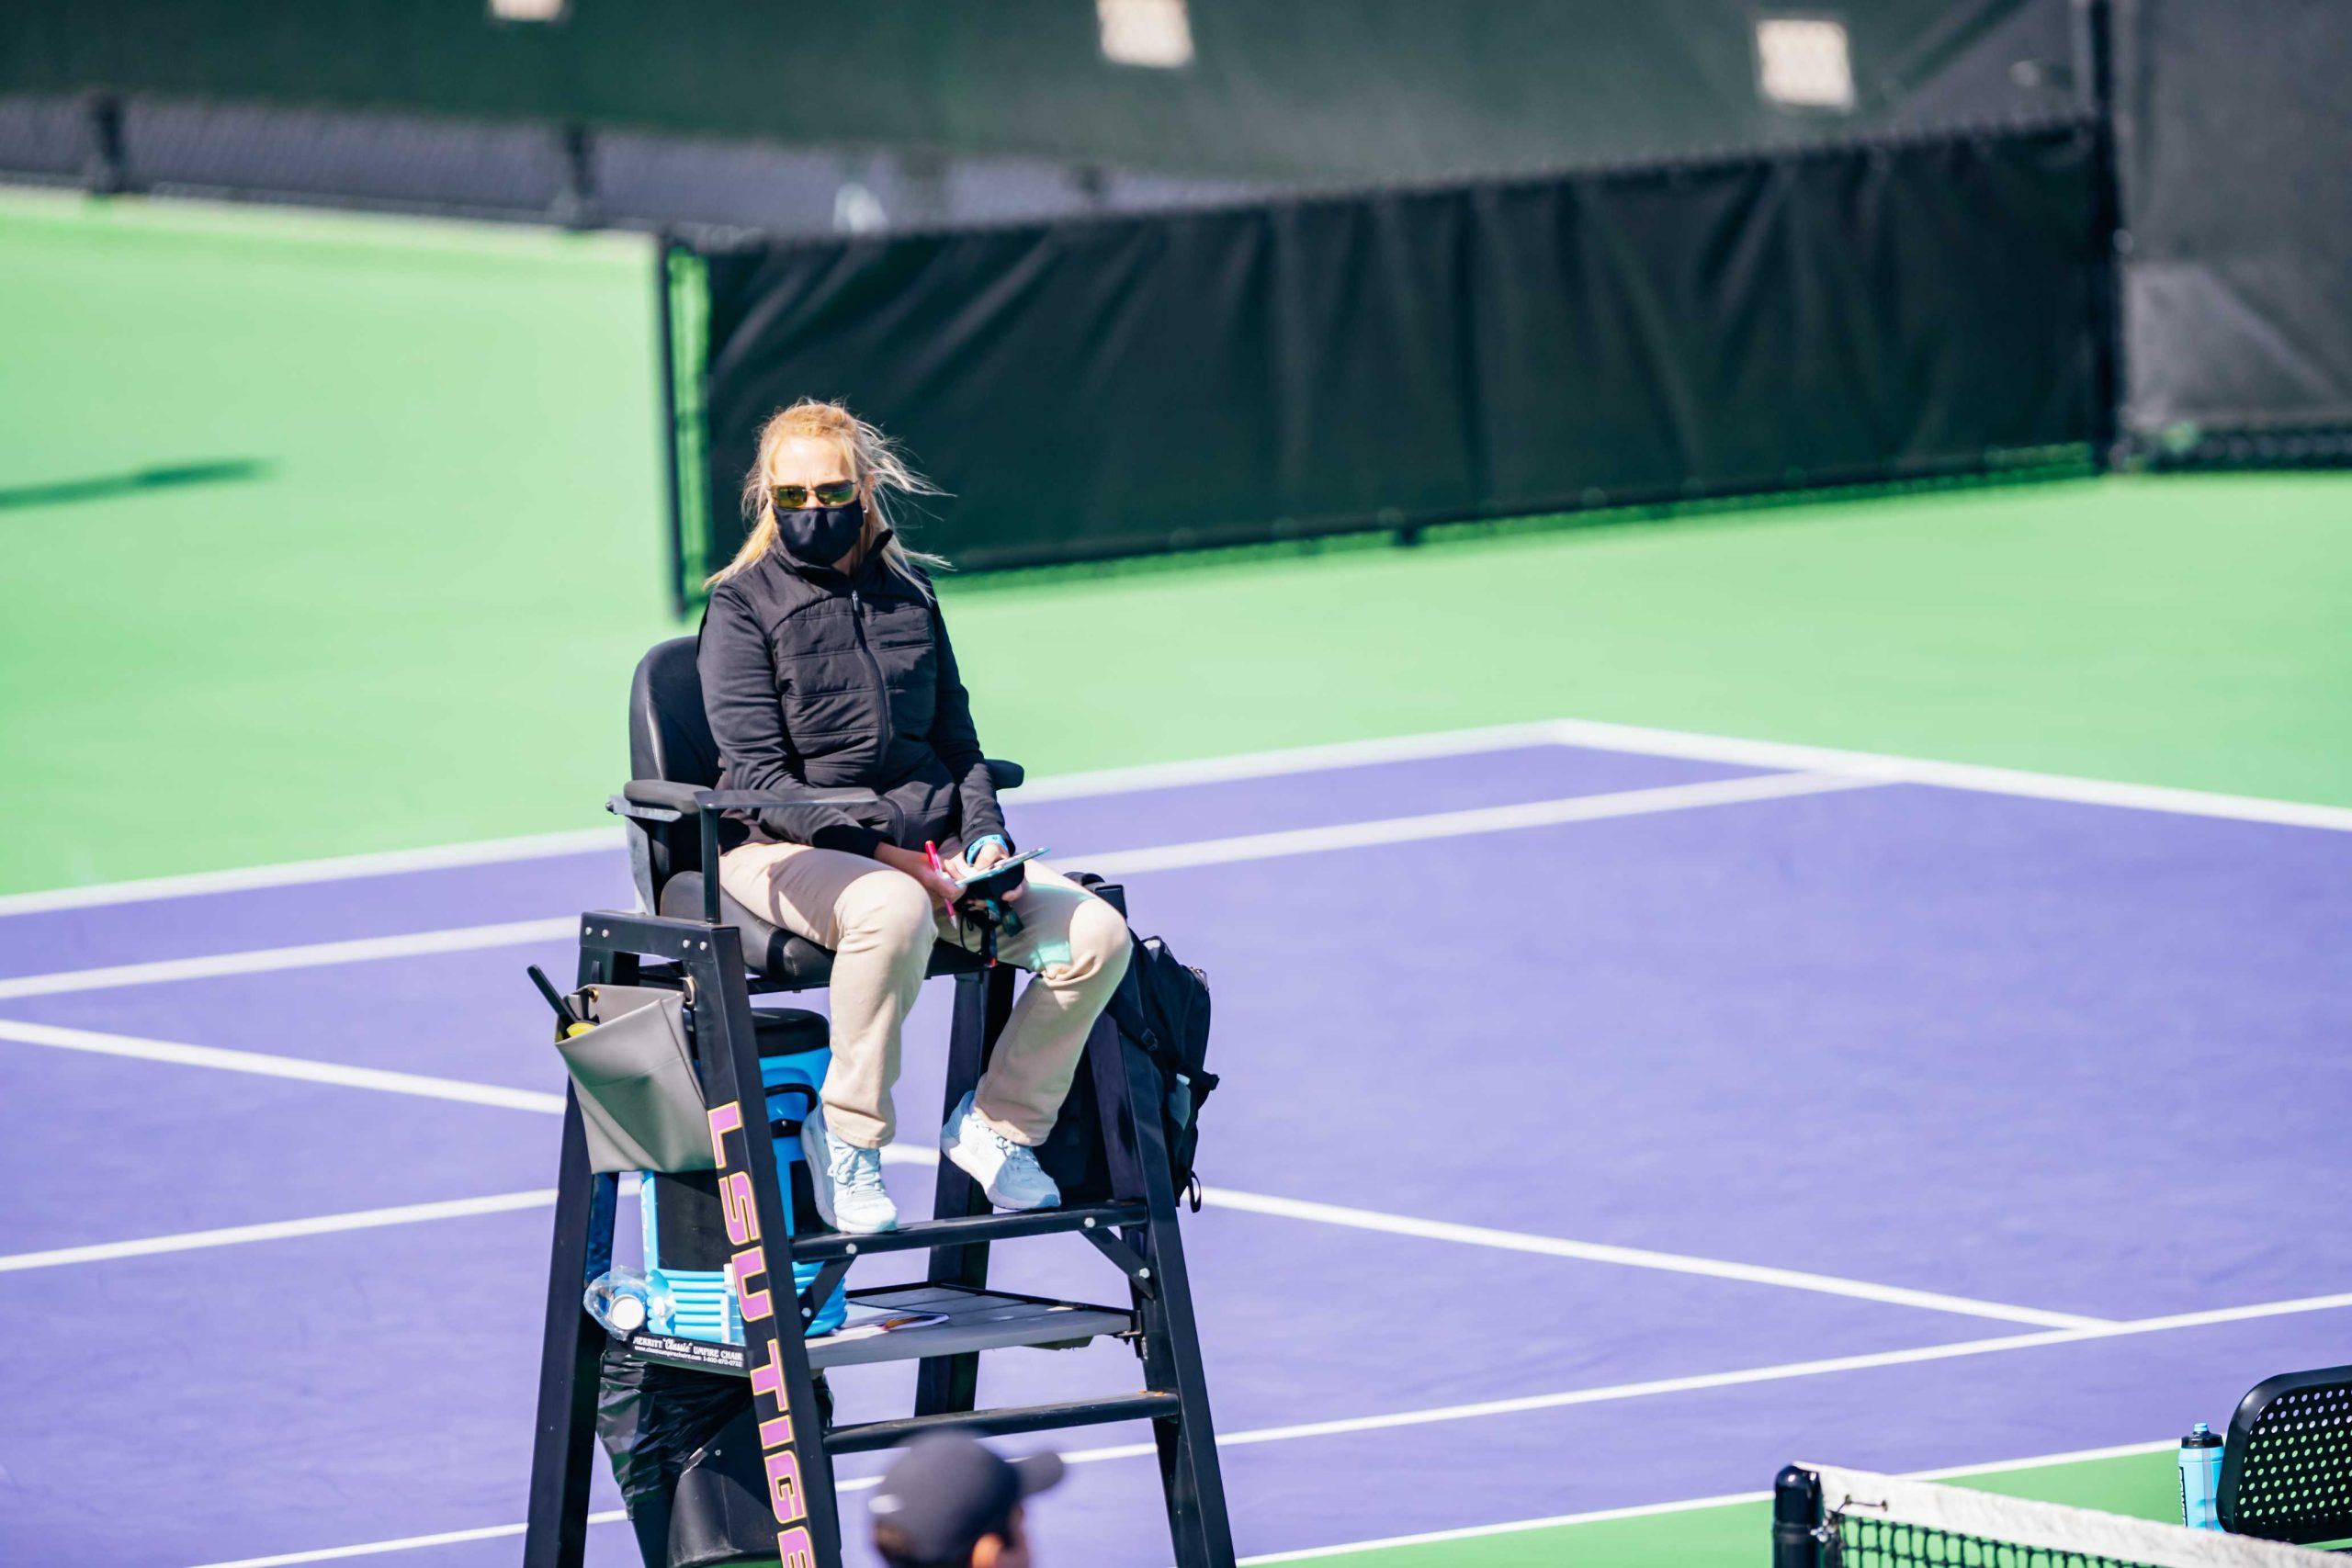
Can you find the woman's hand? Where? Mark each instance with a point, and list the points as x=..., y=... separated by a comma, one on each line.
x=972, y=862
x=941, y=888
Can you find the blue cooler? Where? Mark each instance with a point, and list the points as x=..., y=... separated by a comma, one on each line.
x=685, y=1231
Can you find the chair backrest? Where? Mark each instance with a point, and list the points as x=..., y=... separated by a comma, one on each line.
x=2287, y=1468
x=669, y=738
x=669, y=733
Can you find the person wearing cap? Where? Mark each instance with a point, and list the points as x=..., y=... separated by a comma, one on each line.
x=949, y=1500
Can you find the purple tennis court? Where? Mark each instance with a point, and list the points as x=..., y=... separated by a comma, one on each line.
x=1732, y=1113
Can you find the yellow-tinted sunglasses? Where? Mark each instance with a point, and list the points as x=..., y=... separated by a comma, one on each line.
x=792, y=498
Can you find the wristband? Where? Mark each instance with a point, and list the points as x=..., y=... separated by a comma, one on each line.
x=999, y=839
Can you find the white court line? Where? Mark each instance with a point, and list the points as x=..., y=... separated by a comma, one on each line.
x=1888, y=769
x=1514, y=1526
x=335, y=868
x=535, y=846
x=895, y=1154
x=1640, y=1258
x=1160, y=857
x=1786, y=1371
x=1596, y=1516
x=263, y=1063
x=305, y=955
x=1477, y=819
x=279, y=1230
x=1596, y=734
x=1654, y=1388
x=1689, y=1504
x=403, y=1543
x=1349, y=1218
x=1142, y=776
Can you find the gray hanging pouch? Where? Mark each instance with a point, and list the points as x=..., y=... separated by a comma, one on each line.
x=639, y=1094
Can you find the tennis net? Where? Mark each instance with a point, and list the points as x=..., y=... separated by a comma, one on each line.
x=1828, y=1518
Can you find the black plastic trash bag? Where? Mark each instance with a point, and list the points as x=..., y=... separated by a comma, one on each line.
x=686, y=1452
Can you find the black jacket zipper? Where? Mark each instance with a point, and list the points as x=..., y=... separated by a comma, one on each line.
x=881, y=686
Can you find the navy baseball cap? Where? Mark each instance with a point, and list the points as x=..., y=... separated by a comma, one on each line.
x=946, y=1491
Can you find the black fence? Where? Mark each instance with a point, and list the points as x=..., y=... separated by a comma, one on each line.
x=1303, y=366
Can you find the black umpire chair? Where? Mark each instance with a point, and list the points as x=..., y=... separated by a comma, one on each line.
x=689, y=937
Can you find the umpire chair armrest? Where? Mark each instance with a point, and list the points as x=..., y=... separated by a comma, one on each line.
x=668, y=800
x=654, y=800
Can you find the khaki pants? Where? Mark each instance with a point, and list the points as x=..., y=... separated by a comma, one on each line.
x=881, y=925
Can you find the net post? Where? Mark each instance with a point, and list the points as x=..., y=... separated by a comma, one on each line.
x=1796, y=1518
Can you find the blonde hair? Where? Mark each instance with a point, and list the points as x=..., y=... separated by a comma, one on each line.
x=875, y=461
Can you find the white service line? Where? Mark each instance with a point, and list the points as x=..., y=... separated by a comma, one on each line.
x=1589, y=1251
x=534, y=846
x=1598, y=735
x=306, y=955
x=1136, y=779
x=1513, y=1527
x=266, y=1065
x=402, y=1544
x=1387, y=1422
x=1525, y=1403
x=333, y=868
x=1639, y=1258
x=1888, y=769
x=924, y=1156
x=1688, y=1504
x=279, y=1230
x=1160, y=857
x=1477, y=819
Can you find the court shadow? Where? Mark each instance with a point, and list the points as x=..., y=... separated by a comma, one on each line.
x=101, y=487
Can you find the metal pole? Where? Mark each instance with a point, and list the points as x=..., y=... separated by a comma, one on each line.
x=664, y=313
x=1797, y=1519
x=2094, y=39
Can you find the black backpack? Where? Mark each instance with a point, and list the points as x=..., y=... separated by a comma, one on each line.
x=1163, y=1008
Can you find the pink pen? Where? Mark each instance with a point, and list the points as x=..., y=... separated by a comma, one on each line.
x=930, y=852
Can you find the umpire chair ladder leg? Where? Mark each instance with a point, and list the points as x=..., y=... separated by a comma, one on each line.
x=951, y=1383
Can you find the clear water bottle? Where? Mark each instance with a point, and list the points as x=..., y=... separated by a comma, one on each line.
x=622, y=1300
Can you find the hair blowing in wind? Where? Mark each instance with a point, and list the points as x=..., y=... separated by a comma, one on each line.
x=881, y=469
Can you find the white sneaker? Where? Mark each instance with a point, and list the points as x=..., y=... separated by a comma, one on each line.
x=846, y=1180
x=1008, y=1172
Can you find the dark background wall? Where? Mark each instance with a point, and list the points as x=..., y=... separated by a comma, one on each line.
x=1340, y=90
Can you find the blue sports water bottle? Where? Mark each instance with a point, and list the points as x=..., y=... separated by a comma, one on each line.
x=2200, y=1479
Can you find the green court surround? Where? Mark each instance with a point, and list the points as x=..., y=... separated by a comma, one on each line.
x=405, y=546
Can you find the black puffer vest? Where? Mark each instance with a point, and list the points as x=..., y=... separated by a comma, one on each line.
x=814, y=680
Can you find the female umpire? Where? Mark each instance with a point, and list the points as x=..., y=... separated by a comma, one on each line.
x=825, y=664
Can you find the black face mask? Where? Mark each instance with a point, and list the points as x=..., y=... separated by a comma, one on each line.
x=819, y=535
